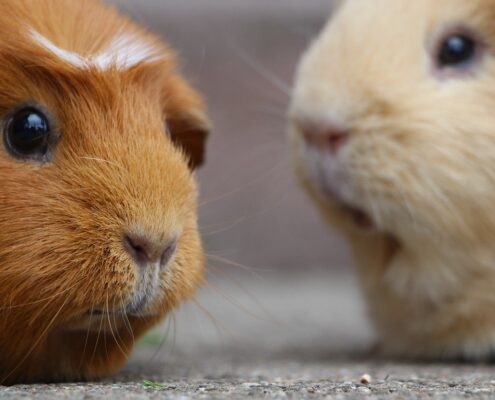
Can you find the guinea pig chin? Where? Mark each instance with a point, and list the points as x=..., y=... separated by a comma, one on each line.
x=141, y=302
x=152, y=263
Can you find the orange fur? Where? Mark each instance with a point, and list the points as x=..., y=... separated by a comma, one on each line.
x=113, y=169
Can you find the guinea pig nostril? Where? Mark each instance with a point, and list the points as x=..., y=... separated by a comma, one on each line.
x=330, y=139
x=139, y=248
x=147, y=252
x=335, y=139
x=168, y=254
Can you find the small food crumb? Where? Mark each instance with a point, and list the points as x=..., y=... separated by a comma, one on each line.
x=365, y=379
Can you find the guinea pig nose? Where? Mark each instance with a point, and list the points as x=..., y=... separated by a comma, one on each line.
x=145, y=251
x=330, y=137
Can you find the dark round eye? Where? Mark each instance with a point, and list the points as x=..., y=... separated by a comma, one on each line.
x=27, y=134
x=457, y=51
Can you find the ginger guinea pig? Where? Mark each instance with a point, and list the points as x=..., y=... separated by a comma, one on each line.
x=393, y=134
x=98, y=200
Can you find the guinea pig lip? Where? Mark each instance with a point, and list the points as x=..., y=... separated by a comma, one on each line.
x=120, y=313
x=137, y=308
x=102, y=313
x=359, y=217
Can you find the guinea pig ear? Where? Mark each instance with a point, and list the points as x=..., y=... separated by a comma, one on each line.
x=186, y=120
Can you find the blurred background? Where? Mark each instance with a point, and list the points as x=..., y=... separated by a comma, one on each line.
x=242, y=54
x=275, y=271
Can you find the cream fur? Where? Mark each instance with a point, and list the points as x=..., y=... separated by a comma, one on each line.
x=420, y=161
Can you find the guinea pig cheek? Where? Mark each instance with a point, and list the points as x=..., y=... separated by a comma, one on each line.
x=142, y=295
x=331, y=176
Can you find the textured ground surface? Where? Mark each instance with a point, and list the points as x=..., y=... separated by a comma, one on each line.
x=271, y=339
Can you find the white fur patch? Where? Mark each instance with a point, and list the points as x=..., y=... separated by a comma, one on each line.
x=124, y=52
x=71, y=58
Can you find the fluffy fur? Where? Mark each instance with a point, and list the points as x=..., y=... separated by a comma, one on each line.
x=113, y=170
x=419, y=162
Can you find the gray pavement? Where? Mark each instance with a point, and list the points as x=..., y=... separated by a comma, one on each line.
x=271, y=338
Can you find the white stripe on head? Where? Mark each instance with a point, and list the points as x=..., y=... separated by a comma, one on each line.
x=127, y=51
x=124, y=52
x=71, y=58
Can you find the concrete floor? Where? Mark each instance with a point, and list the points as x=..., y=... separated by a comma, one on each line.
x=271, y=338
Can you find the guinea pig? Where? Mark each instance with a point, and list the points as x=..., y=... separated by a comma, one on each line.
x=393, y=134
x=98, y=201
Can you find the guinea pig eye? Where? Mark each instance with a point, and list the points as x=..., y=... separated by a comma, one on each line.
x=27, y=134
x=456, y=51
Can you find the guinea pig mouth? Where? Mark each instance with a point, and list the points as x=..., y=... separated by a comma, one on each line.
x=331, y=188
x=136, y=309
x=359, y=217
x=100, y=313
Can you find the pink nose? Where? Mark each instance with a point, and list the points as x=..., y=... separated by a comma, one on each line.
x=329, y=138
x=145, y=251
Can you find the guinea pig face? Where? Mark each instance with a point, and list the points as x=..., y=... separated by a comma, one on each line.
x=392, y=118
x=98, y=207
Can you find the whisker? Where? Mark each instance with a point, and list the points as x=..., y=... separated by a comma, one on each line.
x=174, y=331
x=87, y=337
x=221, y=329
x=272, y=111
x=165, y=336
x=105, y=310
x=256, y=180
x=51, y=297
x=236, y=264
x=102, y=161
x=48, y=304
x=97, y=339
x=270, y=77
x=226, y=228
x=112, y=331
x=35, y=344
x=231, y=301
x=269, y=317
x=126, y=320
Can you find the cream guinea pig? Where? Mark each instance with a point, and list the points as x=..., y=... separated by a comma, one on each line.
x=98, y=200
x=393, y=135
